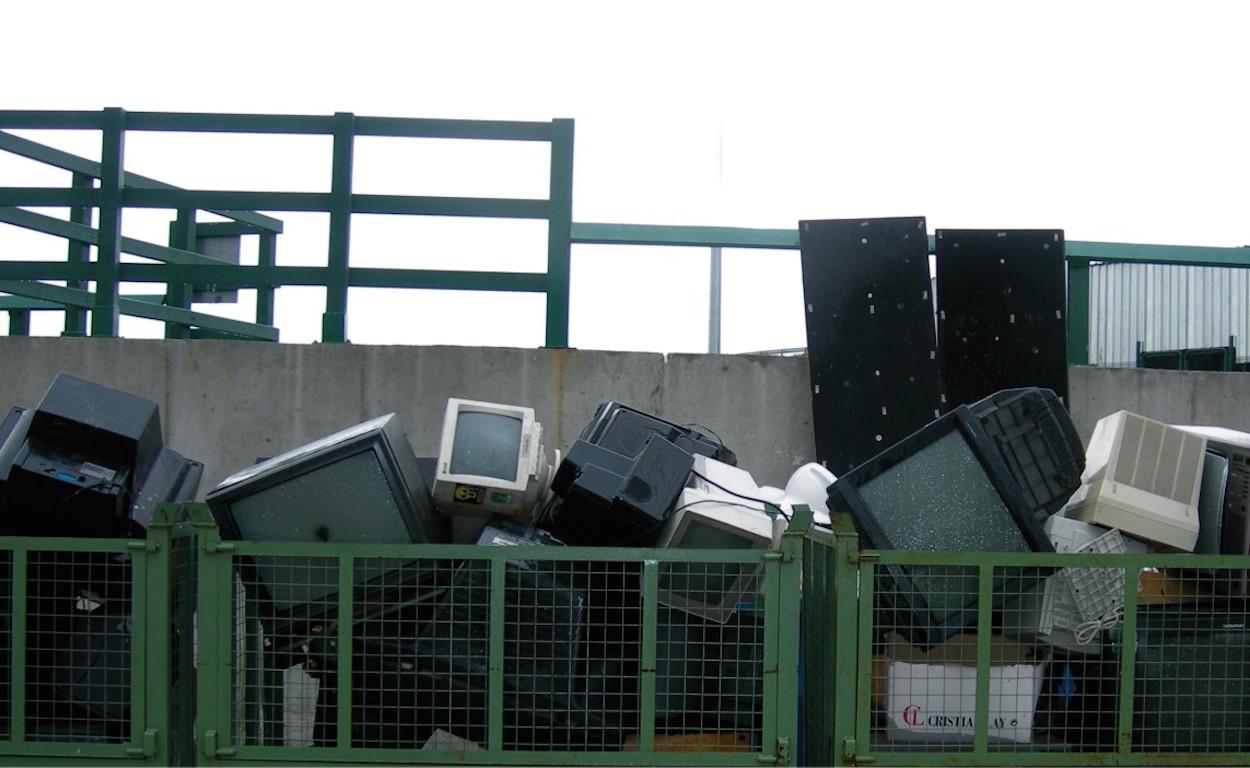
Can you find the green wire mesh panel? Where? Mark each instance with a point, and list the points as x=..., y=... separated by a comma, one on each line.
x=1065, y=659
x=506, y=657
x=78, y=647
x=6, y=643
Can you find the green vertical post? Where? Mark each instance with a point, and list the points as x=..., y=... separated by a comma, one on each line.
x=985, y=620
x=181, y=235
x=155, y=735
x=214, y=663
x=104, y=314
x=17, y=649
x=845, y=636
x=861, y=694
x=1128, y=662
x=267, y=256
x=19, y=322
x=334, y=321
x=343, y=696
x=1078, y=311
x=647, y=664
x=559, y=233
x=790, y=587
x=496, y=660
x=79, y=253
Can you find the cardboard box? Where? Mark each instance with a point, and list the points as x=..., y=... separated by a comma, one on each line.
x=932, y=696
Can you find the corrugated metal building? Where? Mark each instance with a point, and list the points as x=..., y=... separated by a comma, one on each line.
x=1165, y=307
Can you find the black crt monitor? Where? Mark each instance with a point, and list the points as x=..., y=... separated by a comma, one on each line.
x=943, y=489
x=89, y=448
x=608, y=499
x=360, y=485
x=625, y=430
x=1039, y=443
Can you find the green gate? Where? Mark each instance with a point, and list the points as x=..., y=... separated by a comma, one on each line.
x=493, y=655
x=1162, y=683
x=95, y=652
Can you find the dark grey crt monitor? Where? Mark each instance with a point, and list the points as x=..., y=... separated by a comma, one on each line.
x=945, y=488
x=358, y=486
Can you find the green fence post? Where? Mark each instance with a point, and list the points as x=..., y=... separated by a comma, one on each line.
x=495, y=660
x=844, y=648
x=647, y=663
x=79, y=253
x=17, y=649
x=1078, y=311
x=559, y=233
x=19, y=322
x=153, y=624
x=266, y=257
x=334, y=321
x=104, y=314
x=790, y=587
x=215, y=613
x=181, y=235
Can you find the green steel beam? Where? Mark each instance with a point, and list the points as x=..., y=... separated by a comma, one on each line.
x=707, y=237
x=19, y=322
x=1142, y=253
x=81, y=233
x=50, y=156
x=486, y=207
x=212, y=199
x=104, y=315
x=9, y=303
x=225, y=229
x=382, y=277
x=266, y=257
x=182, y=236
x=559, y=234
x=42, y=119
x=205, y=122
x=334, y=320
x=139, y=308
x=1078, y=312
x=77, y=252
x=48, y=197
x=487, y=130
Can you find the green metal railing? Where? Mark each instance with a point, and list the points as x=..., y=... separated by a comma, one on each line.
x=182, y=267
x=1156, y=689
x=489, y=655
x=69, y=699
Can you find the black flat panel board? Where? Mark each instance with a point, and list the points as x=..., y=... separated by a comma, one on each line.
x=1001, y=311
x=871, y=343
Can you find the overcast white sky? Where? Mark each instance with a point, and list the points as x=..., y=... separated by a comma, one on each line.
x=1113, y=121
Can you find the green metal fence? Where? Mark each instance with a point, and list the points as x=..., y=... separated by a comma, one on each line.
x=492, y=655
x=93, y=666
x=183, y=268
x=1145, y=662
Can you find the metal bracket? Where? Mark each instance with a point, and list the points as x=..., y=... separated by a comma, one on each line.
x=213, y=548
x=783, y=750
x=149, y=745
x=848, y=754
x=860, y=556
x=211, y=749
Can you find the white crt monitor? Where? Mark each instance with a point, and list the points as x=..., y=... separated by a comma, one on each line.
x=490, y=459
x=707, y=518
x=1143, y=477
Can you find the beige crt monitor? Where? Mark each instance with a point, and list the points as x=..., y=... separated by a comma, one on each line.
x=490, y=461
x=1143, y=477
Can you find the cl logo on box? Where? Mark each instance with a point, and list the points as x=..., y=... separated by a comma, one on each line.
x=911, y=715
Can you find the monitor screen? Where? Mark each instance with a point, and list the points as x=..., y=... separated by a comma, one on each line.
x=705, y=583
x=944, y=488
x=486, y=445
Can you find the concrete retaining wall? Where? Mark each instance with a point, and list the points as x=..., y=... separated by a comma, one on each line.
x=226, y=403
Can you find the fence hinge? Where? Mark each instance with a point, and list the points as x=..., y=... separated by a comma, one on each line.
x=212, y=750
x=857, y=556
x=848, y=754
x=149, y=745
x=783, y=751
x=213, y=547
x=783, y=557
x=144, y=545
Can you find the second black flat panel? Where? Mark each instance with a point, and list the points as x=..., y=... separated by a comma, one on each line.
x=870, y=335
x=1001, y=306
